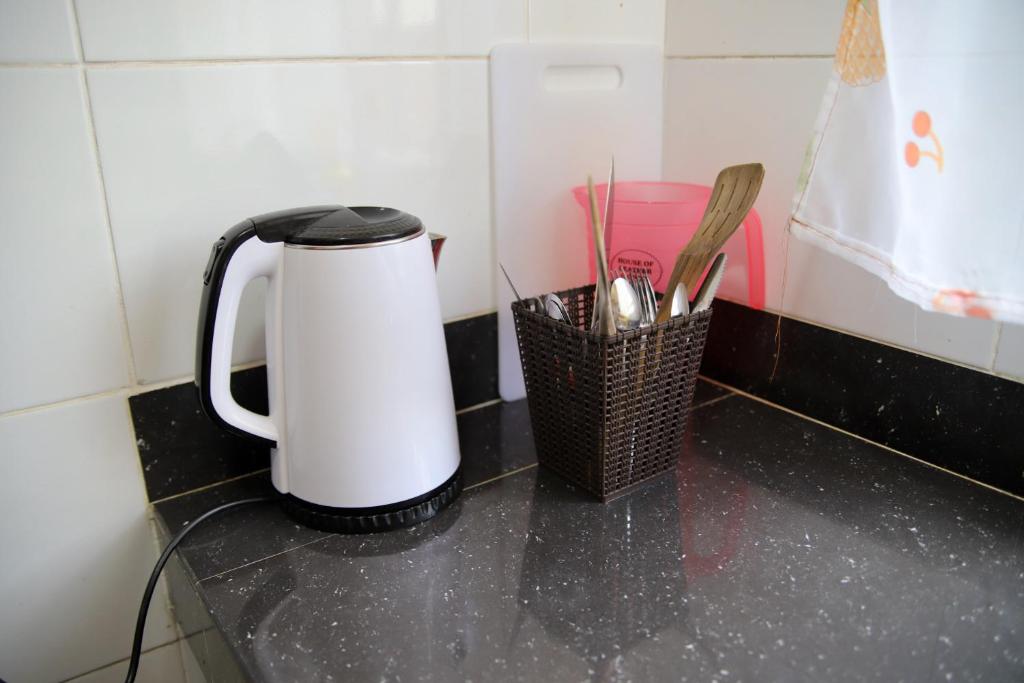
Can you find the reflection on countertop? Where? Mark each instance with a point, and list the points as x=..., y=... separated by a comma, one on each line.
x=778, y=550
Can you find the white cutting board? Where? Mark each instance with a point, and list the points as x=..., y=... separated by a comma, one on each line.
x=559, y=112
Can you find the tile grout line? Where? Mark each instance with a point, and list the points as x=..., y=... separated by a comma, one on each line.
x=500, y=476
x=996, y=339
x=162, y=581
x=758, y=399
x=126, y=391
x=119, y=661
x=139, y=388
x=463, y=411
x=328, y=536
x=469, y=316
x=64, y=403
x=111, y=64
x=126, y=343
x=277, y=61
x=503, y=475
x=207, y=487
x=478, y=406
x=151, y=522
x=510, y=473
x=319, y=539
x=114, y=64
x=182, y=644
x=750, y=57
x=126, y=340
x=666, y=23
x=883, y=342
x=201, y=632
x=145, y=388
x=39, y=65
x=711, y=401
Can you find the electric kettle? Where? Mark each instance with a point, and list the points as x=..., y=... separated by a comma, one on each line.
x=362, y=420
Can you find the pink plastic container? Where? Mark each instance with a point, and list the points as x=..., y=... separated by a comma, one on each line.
x=654, y=221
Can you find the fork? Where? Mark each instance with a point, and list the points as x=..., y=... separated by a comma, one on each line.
x=652, y=300
x=645, y=292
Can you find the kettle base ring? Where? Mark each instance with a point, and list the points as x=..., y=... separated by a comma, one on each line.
x=368, y=520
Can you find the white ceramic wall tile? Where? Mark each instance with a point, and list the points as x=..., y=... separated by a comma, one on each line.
x=1010, y=354
x=721, y=112
x=162, y=665
x=193, y=672
x=189, y=151
x=742, y=27
x=36, y=31
x=77, y=542
x=199, y=29
x=826, y=289
x=62, y=331
x=597, y=21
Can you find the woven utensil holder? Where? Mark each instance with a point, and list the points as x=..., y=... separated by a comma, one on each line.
x=608, y=413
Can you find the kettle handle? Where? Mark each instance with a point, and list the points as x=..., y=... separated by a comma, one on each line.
x=235, y=260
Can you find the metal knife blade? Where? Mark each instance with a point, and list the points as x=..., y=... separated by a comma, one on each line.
x=706, y=293
x=609, y=210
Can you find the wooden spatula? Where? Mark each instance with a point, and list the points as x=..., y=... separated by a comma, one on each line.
x=735, y=190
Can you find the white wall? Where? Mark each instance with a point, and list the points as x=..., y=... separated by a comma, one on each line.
x=744, y=81
x=134, y=133
x=73, y=512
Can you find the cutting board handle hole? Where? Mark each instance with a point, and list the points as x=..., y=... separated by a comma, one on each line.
x=582, y=77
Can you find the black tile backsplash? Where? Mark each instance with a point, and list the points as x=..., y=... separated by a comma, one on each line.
x=182, y=450
x=942, y=413
x=494, y=441
x=945, y=414
x=473, y=359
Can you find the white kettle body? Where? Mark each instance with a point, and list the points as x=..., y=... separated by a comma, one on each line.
x=362, y=418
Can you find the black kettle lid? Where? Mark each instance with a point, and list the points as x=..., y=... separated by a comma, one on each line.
x=327, y=226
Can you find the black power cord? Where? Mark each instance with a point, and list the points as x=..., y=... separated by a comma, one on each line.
x=147, y=596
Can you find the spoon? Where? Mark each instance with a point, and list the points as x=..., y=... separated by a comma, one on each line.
x=680, y=304
x=556, y=309
x=625, y=305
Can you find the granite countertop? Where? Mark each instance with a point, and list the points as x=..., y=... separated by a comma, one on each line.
x=780, y=549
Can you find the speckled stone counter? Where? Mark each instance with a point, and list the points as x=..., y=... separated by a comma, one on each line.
x=779, y=550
